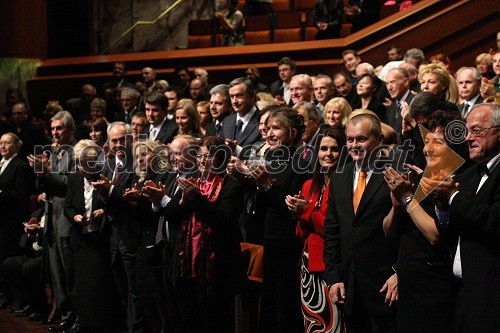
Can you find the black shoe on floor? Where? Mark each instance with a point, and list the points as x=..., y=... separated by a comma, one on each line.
x=22, y=312
x=74, y=329
x=64, y=325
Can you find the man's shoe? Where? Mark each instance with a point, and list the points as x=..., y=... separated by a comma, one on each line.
x=64, y=325
x=22, y=312
x=74, y=329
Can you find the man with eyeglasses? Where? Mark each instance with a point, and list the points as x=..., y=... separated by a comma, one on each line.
x=280, y=89
x=129, y=99
x=471, y=211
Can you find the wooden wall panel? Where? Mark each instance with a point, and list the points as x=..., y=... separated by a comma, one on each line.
x=24, y=29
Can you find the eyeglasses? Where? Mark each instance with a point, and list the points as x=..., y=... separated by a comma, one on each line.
x=206, y=156
x=478, y=131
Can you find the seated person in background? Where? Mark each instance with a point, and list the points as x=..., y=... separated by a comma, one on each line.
x=483, y=65
x=253, y=75
x=328, y=17
x=231, y=21
x=367, y=86
x=22, y=272
x=203, y=109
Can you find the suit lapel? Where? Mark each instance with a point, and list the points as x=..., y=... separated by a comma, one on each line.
x=376, y=180
x=251, y=126
x=485, y=189
x=345, y=192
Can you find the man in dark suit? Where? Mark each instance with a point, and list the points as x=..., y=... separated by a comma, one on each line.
x=118, y=172
x=280, y=88
x=220, y=108
x=412, y=72
x=29, y=133
x=358, y=257
x=397, y=83
x=468, y=82
x=16, y=185
x=183, y=150
x=129, y=99
x=79, y=107
x=343, y=85
x=52, y=178
x=118, y=80
x=241, y=129
x=473, y=213
x=160, y=129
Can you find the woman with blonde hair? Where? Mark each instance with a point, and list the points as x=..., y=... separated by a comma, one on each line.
x=436, y=79
x=483, y=65
x=151, y=170
x=203, y=109
x=187, y=119
x=336, y=112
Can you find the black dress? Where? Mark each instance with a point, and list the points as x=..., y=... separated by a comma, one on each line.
x=424, y=279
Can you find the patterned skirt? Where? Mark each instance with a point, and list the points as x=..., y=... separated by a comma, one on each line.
x=320, y=314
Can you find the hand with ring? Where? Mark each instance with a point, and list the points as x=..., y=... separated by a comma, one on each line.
x=401, y=186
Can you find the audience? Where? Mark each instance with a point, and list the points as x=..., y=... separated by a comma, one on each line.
x=139, y=228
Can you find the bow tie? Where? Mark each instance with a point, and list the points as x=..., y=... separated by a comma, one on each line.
x=483, y=170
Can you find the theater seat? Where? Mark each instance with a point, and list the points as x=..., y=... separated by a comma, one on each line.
x=283, y=6
x=258, y=29
x=288, y=27
x=304, y=5
x=201, y=33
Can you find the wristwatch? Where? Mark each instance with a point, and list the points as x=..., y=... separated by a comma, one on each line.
x=406, y=201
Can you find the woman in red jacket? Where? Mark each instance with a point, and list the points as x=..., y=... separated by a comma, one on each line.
x=320, y=314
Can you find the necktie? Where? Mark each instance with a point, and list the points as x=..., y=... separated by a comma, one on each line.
x=465, y=109
x=2, y=162
x=116, y=173
x=358, y=193
x=239, y=130
x=152, y=134
x=307, y=152
x=218, y=129
x=398, y=109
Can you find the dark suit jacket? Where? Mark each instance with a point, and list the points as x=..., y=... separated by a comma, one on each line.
x=54, y=184
x=375, y=105
x=479, y=100
x=97, y=300
x=31, y=134
x=356, y=249
x=210, y=131
x=393, y=116
x=250, y=134
x=16, y=185
x=277, y=88
x=119, y=211
x=476, y=219
x=167, y=132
